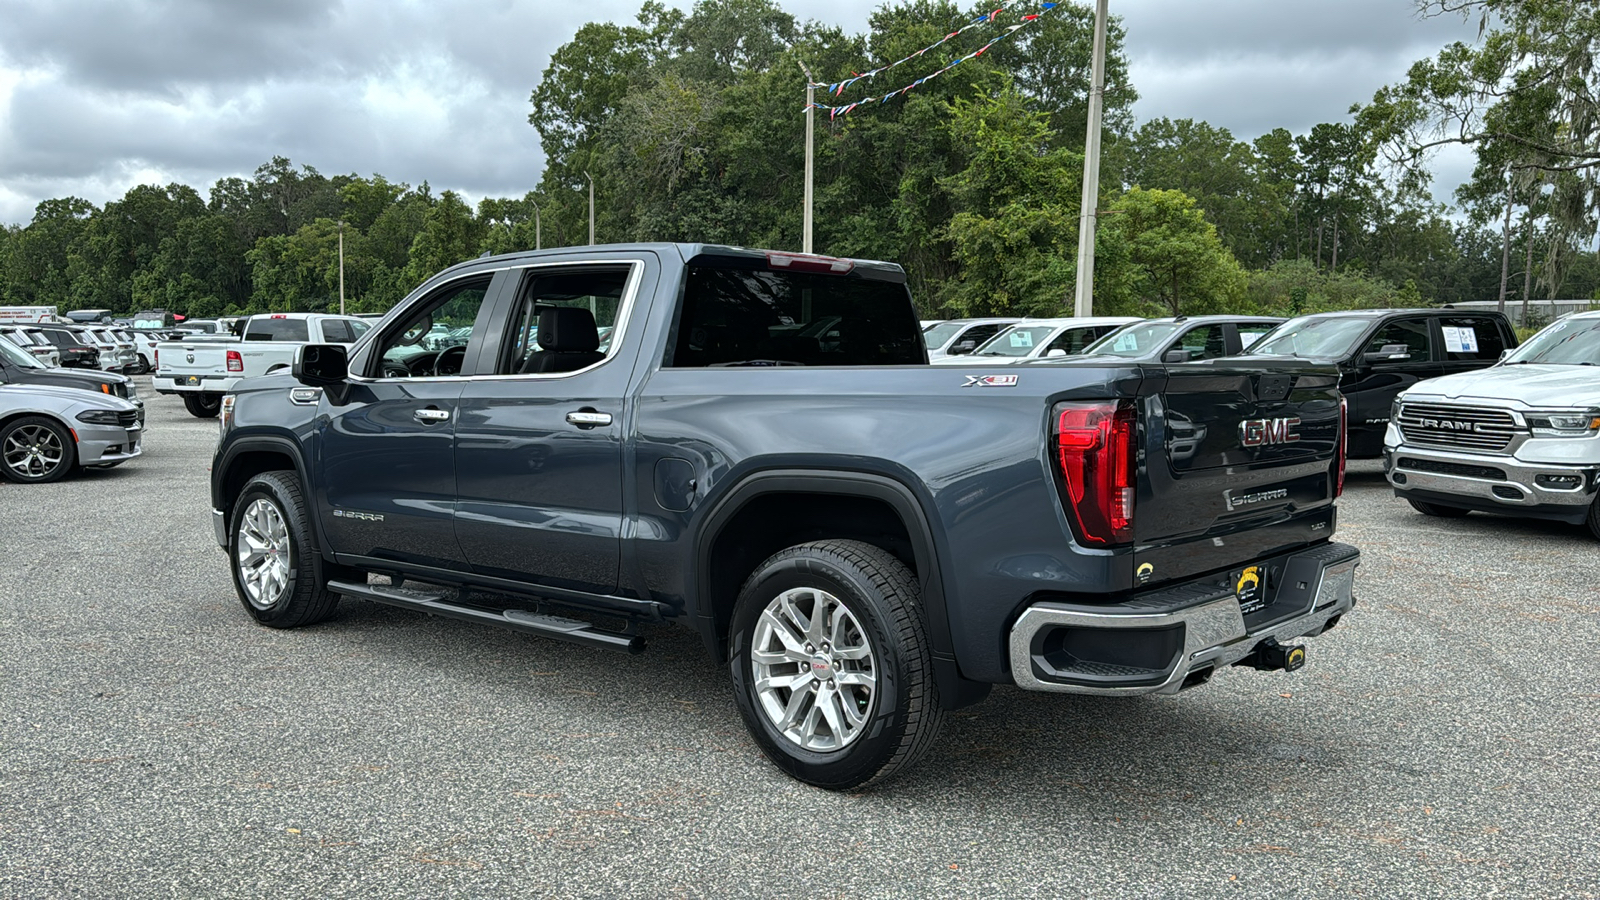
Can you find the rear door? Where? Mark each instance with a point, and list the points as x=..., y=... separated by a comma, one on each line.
x=539, y=442
x=1374, y=382
x=1240, y=464
x=1469, y=342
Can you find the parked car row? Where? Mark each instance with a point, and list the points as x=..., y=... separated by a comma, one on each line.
x=1464, y=419
x=105, y=347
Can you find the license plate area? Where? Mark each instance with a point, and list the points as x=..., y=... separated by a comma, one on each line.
x=1277, y=589
x=187, y=380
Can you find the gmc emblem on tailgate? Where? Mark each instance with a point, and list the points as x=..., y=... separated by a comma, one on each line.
x=1267, y=432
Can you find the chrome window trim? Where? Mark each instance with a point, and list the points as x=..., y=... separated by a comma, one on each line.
x=618, y=331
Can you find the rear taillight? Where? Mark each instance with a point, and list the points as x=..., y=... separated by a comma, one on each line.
x=235, y=361
x=1096, y=449
x=1340, y=455
x=158, y=358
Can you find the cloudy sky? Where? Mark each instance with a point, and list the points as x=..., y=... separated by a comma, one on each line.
x=99, y=95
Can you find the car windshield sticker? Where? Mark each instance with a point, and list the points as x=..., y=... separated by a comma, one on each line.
x=1460, y=340
x=1022, y=339
x=1126, y=343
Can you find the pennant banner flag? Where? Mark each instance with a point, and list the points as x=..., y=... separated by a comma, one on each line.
x=838, y=87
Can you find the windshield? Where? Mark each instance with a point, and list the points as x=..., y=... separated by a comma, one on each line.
x=1321, y=337
x=1573, y=342
x=1018, y=340
x=19, y=357
x=1134, y=340
x=938, y=335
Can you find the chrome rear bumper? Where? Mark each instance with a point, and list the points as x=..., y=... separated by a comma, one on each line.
x=1165, y=641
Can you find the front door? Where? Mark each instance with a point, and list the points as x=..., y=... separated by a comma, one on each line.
x=539, y=441
x=1376, y=381
x=387, y=452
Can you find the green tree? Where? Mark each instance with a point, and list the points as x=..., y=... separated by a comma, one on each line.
x=40, y=253
x=450, y=234
x=1168, y=255
x=1015, y=230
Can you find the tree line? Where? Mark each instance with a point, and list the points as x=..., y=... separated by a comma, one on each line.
x=690, y=125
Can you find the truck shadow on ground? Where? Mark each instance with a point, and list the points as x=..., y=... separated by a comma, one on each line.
x=1113, y=756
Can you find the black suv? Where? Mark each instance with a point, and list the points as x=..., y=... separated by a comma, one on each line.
x=75, y=354
x=1381, y=352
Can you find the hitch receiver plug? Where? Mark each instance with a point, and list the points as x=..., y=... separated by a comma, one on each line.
x=1271, y=656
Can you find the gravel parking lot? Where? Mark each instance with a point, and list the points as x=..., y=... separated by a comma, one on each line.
x=1440, y=742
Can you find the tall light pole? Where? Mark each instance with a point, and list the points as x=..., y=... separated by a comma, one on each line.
x=1089, y=219
x=591, y=205
x=811, y=113
x=538, y=240
x=341, y=267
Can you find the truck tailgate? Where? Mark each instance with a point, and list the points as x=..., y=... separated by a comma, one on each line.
x=186, y=359
x=1241, y=463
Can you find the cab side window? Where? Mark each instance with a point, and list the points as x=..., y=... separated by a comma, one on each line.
x=1205, y=342
x=980, y=333
x=1411, y=333
x=432, y=341
x=1250, y=332
x=1471, y=338
x=564, y=320
x=337, y=331
x=1074, y=340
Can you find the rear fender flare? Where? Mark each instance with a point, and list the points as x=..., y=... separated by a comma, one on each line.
x=927, y=544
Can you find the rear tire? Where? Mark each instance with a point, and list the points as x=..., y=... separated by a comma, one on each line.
x=36, y=450
x=202, y=406
x=1437, y=510
x=845, y=699
x=280, y=577
x=144, y=365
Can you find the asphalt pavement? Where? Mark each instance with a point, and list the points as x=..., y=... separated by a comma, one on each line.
x=154, y=742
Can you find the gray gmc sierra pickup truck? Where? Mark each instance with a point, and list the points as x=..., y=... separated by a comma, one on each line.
x=751, y=444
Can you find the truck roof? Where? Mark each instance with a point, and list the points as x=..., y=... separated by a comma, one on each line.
x=692, y=253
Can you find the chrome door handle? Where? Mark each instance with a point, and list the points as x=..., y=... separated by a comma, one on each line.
x=588, y=418
x=431, y=416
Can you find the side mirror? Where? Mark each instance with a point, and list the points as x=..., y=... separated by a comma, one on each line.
x=1175, y=356
x=1389, y=353
x=1057, y=352
x=321, y=365
x=1505, y=355
x=963, y=348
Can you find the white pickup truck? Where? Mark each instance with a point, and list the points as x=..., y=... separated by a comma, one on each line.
x=1521, y=438
x=201, y=371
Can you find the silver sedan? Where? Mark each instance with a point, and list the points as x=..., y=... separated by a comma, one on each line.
x=47, y=432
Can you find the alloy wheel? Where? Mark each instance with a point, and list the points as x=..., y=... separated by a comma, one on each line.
x=264, y=552
x=34, y=451
x=816, y=676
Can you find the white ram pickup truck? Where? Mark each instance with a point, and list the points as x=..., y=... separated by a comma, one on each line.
x=201, y=371
x=1520, y=438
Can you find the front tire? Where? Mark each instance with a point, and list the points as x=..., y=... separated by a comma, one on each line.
x=203, y=406
x=831, y=664
x=279, y=575
x=1436, y=510
x=1594, y=519
x=36, y=450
